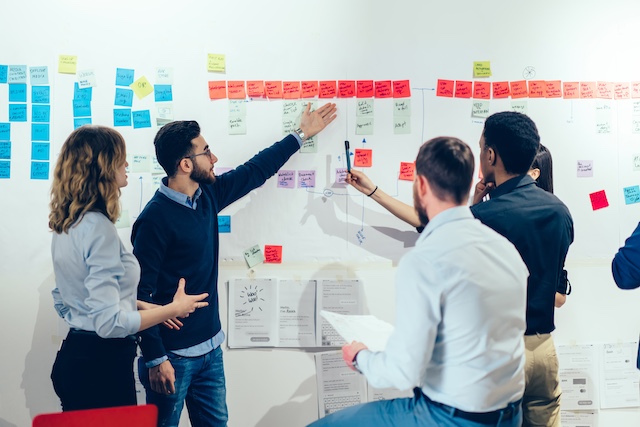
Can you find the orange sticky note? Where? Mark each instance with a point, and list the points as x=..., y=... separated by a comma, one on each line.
x=401, y=89
x=363, y=158
x=407, y=170
x=346, y=88
x=519, y=89
x=218, y=89
x=587, y=90
x=272, y=254
x=571, y=90
x=383, y=89
x=537, y=88
x=604, y=90
x=482, y=90
x=364, y=89
x=255, y=88
x=273, y=89
x=598, y=200
x=235, y=89
x=445, y=88
x=309, y=89
x=621, y=90
x=291, y=90
x=635, y=89
x=501, y=90
x=464, y=89
x=328, y=89
x=553, y=89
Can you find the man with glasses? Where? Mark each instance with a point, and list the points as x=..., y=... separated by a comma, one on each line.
x=176, y=236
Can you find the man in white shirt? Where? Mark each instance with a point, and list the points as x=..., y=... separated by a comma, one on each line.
x=460, y=314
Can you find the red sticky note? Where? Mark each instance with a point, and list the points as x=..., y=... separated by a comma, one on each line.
x=273, y=89
x=218, y=89
x=383, y=89
x=464, y=89
x=621, y=90
x=537, y=88
x=501, y=90
x=571, y=90
x=346, y=88
x=553, y=89
x=401, y=89
x=635, y=89
x=445, y=88
x=364, y=89
x=587, y=90
x=235, y=89
x=273, y=254
x=604, y=90
x=407, y=170
x=328, y=89
x=291, y=90
x=599, y=200
x=482, y=90
x=519, y=89
x=363, y=157
x=309, y=89
x=255, y=88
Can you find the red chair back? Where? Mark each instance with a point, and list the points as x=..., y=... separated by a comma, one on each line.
x=119, y=416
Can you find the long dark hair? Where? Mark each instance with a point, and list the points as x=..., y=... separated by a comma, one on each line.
x=544, y=163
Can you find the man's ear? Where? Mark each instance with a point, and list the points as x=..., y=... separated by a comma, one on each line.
x=491, y=156
x=185, y=165
x=422, y=186
x=534, y=173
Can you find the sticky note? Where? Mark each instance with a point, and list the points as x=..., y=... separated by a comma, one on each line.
x=384, y=89
x=17, y=112
x=598, y=200
x=124, y=76
x=163, y=93
x=286, y=179
x=255, y=89
x=5, y=131
x=124, y=220
x=67, y=64
x=141, y=87
x=585, y=168
x=306, y=179
x=364, y=108
x=402, y=108
x=124, y=97
x=621, y=91
x=635, y=87
x=631, y=194
x=290, y=90
x=216, y=63
x=39, y=75
x=407, y=171
x=480, y=109
x=537, y=89
x=482, y=90
x=17, y=74
x=224, y=224
x=140, y=163
x=273, y=89
x=253, y=256
x=463, y=89
x=364, y=89
x=3, y=73
x=309, y=89
x=341, y=176
x=363, y=157
x=587, y=90
x=501, y=90
x=141, y=119
x=571, y=90
x=5, y=169
x=553, y=89
x=40, y=150
x=328, y=89
x=445, y=88
x=81, y=108
x=5, y=150
x=40, y=95
x=39, y=170
x=237, y=107
x=481, y=68
x=272, y=254
x=41, y=113
x=81, y=121
x=39, y=132
x=121, y=117
x=217, y=89
x=520, y=106
x=82, y=94
x=519, y=89
x=17, y=92
x=346, y=88
x=310, y=145
x=401, y=89
x=364, y=125
x=164, y=76
x=635, y=161
x=401, y=125
x=237, y=125
x=236, y=90
x=86, y=78
x=604, y=90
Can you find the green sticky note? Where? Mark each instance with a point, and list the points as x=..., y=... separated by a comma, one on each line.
x=482, y=69
x=253, y=256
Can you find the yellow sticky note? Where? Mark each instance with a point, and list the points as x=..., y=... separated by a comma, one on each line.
x=67, y=64
x=482, y=69
x=216, y=63
x=141, y=87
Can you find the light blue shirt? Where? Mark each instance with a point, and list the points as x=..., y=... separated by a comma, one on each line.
x=460, y=318
x=96, y=278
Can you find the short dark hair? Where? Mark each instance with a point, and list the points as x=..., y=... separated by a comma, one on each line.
x=514, y=137
x=448, y=165
x=173, y=143
x=544, y=163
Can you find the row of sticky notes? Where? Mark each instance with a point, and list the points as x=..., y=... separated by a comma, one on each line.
x=277, y=89
x=125, y=117
x=272, y=254
x=287, y=179
x=537, y=89
x=17, y=74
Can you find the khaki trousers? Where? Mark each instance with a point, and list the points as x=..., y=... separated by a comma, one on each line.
x=541, y=401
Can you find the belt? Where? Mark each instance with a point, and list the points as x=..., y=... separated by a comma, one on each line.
x=492, y=417
x=74, y=331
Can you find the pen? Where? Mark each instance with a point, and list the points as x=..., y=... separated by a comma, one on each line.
x=346, y=149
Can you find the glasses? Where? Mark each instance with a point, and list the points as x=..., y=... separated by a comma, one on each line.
x=206, y=152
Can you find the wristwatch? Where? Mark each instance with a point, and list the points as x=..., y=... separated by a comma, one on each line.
x=354, y=362
x=300, y=134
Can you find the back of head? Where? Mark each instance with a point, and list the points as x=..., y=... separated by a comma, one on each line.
x=544, y=163
x=173, y=143
x=448, y=165
x=514, y=137
x=84, y=178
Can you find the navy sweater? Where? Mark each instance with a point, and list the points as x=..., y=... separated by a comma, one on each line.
x=172, y=241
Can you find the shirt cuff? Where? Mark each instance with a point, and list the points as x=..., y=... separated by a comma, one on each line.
x=297, y=138
x=155, y=362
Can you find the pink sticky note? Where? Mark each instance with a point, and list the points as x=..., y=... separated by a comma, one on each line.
x=599, y=200
x=272, y=254
x=286, y=179
x=407, y=170
x=363, y=157
x=341, y=175
x=306, y=179
x=445, y=88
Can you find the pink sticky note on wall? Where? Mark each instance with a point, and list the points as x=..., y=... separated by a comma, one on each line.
x=599, y=200
x=272, y=254
x=407, y=170
x=306, y=179
x=286, y=179
x=363, y=158
x=341, y=175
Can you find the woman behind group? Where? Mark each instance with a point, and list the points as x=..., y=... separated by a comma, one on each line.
x=96, y=277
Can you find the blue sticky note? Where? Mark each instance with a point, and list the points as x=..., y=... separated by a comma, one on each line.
x=40, y=151
x=39, y=75
x=40, y=94
x=39, y=170
x=124, y=97
x=39, y=132
x=5, y=169
x=81, y=108
x=3, y=73
x=81, y=122
x=17, y=74
x=41, y=113
x=82, y=94
x=122, y=117
x=124, y=76
x=163, y=93
x=17, y=92
x=5, y=131
x=141, y=119
x=224, y=224
x=17, y=112
x=5, y=150
x=631, y=194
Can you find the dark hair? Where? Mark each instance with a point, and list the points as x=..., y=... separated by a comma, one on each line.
x=514, y=137
x=544, y=163
x=448, y=165
x=173, y=143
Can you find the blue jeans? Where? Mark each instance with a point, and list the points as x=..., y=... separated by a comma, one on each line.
x=200, y=382
x=411, y=411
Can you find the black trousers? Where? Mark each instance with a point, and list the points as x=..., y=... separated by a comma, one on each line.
x=93, y=372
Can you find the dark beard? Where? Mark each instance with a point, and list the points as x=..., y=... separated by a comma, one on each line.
x=422, y=214
x=202, y=176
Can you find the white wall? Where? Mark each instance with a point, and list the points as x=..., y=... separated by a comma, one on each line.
x=286, y=40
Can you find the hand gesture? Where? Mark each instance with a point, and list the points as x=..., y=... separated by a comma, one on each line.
x=187, y=304
x=360, y=182
x=312, y=123
x=482, y=189
x=350, y=351
x=162, y=378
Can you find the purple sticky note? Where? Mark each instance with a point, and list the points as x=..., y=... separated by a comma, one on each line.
x=306, y=179
x=585, y=168
x=286, y=179
x=341, y=175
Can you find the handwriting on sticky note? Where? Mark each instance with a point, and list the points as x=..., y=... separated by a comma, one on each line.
x=216, y=63
x=272, y=254
x=224, y=224
x=217, y=89
x=141, y=87
x=341, y=175
x=384, y=89
x=631, y=194
x=309, y=89
x=599, y=200
x=67, y=64
x=255, y=88
x=407, y=171
x=286, y=179
x=401, y=89
x=346, y=88
x=306, y=179
x=585, y=168
x=273, y=89
x=364, y=89
x=328, y=89
x=363, y=157
x=482, y=69
x=519, y=89
x=253, y=256
x=464, y=89
x=445, y=88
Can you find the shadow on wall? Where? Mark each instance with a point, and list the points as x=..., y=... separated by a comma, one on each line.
x=36, y=378
x=5, y=423
x=301, y=408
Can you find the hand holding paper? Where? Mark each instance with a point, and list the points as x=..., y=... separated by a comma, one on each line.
x=369, y=330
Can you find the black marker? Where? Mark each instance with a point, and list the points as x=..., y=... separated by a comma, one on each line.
x=346, y=149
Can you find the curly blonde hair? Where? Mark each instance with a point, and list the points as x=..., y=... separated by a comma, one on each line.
x=85, y=176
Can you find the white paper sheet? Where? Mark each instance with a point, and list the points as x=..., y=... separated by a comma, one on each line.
x=370, y=330
x=339, y=387
x=579, y=418
x=296, y=317
x=619, y=377
x=578, y=372
x=339, y=296
x=253, y=313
